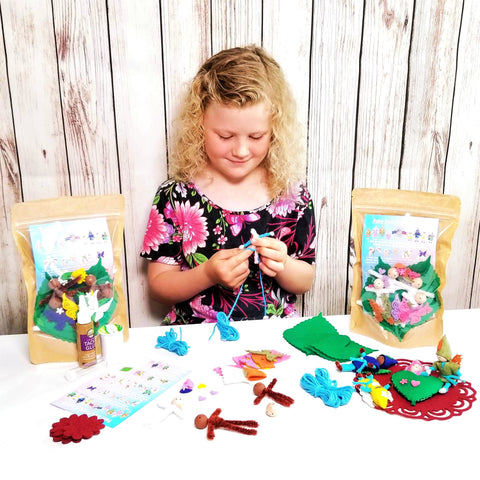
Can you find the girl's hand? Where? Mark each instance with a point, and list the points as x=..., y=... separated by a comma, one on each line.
x=228, y=267
x=273, y=255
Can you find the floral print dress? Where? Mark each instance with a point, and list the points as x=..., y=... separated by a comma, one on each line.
x=185, y=228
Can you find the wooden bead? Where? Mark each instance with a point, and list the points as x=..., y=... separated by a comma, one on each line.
x=258, y=389
x=201, y=421
x=90, y=280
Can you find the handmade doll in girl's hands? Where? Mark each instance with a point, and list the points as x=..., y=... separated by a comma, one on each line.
x=235, y=166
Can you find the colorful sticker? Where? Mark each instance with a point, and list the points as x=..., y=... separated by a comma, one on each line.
x=118, y=393
x=66, y=246
x=396, y=239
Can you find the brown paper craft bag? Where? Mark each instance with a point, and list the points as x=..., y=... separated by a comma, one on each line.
x=51, y=317
x=396, y=296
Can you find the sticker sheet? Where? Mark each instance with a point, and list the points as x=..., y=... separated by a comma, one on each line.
x=117, y=394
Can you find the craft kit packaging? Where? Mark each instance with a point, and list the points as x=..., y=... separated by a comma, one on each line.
x=70, y=247
x=402, y=243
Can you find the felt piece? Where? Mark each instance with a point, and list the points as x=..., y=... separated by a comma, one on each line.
x=454, y=402
x=231, y=374
x=254, y=374
x=416, y=388
x=187, y=386
x=261, y=361
x=317, y=336
x=244, y=361
x=75, y=428
x=271, y=355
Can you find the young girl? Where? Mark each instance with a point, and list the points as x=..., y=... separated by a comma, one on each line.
x=235, y=166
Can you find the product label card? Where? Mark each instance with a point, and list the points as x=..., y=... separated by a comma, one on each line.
x=397, y=239
x=66, y=246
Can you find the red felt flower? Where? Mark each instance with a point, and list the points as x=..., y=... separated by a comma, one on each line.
x=75, y=428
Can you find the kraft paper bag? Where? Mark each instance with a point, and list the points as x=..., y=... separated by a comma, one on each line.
x=402, y=243
x=70, y=247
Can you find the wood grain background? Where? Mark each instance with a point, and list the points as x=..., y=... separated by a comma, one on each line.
x=388, y=92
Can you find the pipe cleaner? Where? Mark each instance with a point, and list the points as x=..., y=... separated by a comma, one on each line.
x=261, y=391
x=320, y=386
x=247, y=427
x=228, y=332
x=169, y=342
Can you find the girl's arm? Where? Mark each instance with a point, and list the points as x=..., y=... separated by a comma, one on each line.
x=169, y=284
x=294, y=275
x=297, y=276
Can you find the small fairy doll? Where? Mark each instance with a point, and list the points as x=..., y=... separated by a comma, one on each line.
x=448, y=367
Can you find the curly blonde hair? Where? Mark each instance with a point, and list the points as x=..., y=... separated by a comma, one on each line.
x=237, y=77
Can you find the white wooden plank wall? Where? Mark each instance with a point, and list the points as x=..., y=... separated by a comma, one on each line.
x=388, y=92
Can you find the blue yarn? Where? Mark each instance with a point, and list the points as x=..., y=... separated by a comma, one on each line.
x=263, y=295
x=321, y=386
x=227, y=332
x=169, y=342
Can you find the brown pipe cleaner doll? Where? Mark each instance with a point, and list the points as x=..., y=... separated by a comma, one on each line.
x=260, y=391
x=215, y=421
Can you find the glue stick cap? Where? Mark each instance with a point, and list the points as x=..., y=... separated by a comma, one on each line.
x=83, y=316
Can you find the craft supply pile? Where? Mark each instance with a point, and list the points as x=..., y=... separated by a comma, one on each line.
x=75, y=296
x=415, y=389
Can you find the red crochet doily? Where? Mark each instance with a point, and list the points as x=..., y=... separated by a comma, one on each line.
x=457, y=400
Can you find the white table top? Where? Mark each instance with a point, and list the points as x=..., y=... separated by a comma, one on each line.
x=309, y=438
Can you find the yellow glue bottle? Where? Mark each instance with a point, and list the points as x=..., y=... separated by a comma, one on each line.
x=87, y=354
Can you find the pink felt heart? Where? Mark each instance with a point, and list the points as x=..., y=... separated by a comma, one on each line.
x=415, y=383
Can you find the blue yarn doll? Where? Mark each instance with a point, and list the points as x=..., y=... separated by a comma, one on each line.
x=366, y=363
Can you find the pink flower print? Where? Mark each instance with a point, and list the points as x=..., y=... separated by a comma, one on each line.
x=158, y=231
x=192, y=225
x=166, y=260
x=236, y=221
x=290, y=310
x=182, y=189
x=284, y=205
x=217, y=230
x=171, y=317
x=204, y=311
x=222, y=239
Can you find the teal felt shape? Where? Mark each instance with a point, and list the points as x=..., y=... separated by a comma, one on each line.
x=415, y=388
x=317, y=336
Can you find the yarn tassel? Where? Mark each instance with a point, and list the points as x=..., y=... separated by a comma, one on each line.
x=169, y=342
x=320, y=386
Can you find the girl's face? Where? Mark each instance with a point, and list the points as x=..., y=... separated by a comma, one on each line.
x=236, y=139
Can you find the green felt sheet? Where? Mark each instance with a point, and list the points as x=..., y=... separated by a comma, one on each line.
x=317, y=336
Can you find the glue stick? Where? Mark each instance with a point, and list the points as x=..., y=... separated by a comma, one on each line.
x=87, y=354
